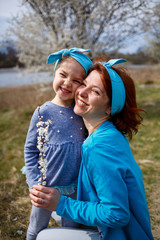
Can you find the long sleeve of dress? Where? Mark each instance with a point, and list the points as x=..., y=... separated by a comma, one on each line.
x=108, y=205
x=31, y=152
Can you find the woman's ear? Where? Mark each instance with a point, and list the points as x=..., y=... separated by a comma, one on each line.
x=108, y=111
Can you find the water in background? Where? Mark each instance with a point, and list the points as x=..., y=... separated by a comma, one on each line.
x=14, y=77
x=17, y=77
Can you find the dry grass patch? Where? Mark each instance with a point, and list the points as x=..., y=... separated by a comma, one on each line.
x=25, y=96
x=149, y=75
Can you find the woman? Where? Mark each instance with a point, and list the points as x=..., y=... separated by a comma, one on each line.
x=110, y=188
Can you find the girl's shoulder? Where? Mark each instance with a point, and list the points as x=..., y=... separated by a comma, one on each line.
x=52, y=107
x=45, y=110
x=59, y=114
x=42, y=111
x=45, y=107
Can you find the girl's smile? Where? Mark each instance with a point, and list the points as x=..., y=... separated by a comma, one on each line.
x=68, y=77
x=64, y=91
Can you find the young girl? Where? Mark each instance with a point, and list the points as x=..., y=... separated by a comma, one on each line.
x=66, y=134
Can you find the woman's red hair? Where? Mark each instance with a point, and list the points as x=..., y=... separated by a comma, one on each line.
x=128, y=120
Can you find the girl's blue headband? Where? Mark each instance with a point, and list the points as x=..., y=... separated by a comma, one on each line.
x=118, y=89
x=76, y=53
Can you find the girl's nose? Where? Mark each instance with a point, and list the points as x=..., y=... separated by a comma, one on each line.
x=67, y=82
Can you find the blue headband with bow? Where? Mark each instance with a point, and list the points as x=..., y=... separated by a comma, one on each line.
x=76, y=53
x=118, y=89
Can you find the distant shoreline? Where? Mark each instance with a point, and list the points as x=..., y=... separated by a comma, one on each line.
x=16, y=69
x=16, y=77
x=2, y=70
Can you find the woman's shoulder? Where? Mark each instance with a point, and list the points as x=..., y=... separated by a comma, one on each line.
x=102, y=151
x=107, y=134
x=107, y=140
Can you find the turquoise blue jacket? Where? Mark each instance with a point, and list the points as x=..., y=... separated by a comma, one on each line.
x=111, y=192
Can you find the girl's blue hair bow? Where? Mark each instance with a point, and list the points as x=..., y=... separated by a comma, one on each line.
x=76, y=53
x=118, y=89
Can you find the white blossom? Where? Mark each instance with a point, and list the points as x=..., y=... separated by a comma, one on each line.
x=42, y=141
x=40, y=124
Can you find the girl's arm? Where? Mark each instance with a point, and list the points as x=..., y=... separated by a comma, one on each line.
x=31, y=152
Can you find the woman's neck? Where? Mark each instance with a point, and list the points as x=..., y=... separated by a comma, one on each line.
x=93, y=125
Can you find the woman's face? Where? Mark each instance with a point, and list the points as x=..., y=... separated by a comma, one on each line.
x=91, y=98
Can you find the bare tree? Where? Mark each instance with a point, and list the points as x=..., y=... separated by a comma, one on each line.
x=100, y=25
x=152, y=27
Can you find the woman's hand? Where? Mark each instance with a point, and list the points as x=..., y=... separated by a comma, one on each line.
x=44, y=197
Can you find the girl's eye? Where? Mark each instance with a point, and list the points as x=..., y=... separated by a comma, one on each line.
x=77, y=81
x=83, y=84
x=62, y=74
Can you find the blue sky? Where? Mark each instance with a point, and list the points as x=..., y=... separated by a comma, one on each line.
x=9, y=8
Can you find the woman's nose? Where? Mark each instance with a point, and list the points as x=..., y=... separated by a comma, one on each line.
x=82, y=91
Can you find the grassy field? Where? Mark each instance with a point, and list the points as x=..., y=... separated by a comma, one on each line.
x=16, y=108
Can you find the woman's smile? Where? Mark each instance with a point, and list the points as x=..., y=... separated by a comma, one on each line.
x=91, y=98
x=81, y=103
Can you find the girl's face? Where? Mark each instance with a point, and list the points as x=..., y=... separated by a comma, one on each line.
x=68, y=77
x=91, y=99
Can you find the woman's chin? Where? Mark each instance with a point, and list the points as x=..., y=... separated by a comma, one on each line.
x=78, y=111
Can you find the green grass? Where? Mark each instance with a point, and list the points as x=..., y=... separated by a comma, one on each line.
x=13, y=188
x=13, y=128
x=15, y=203
x=146, y=150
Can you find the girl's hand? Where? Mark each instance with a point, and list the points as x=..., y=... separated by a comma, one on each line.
x=44, y=197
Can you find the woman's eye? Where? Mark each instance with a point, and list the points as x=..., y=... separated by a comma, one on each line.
x=96, y=92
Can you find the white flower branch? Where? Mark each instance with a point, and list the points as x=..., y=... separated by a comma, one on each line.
x=42, y=141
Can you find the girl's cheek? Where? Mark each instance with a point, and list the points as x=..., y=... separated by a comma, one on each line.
x=77, y=92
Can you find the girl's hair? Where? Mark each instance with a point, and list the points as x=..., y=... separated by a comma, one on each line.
x=128, y=120
x=66, y=58
x=63, y=59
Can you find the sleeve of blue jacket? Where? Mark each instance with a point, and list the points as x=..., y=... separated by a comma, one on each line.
x=107, y=177
x=31, y=152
